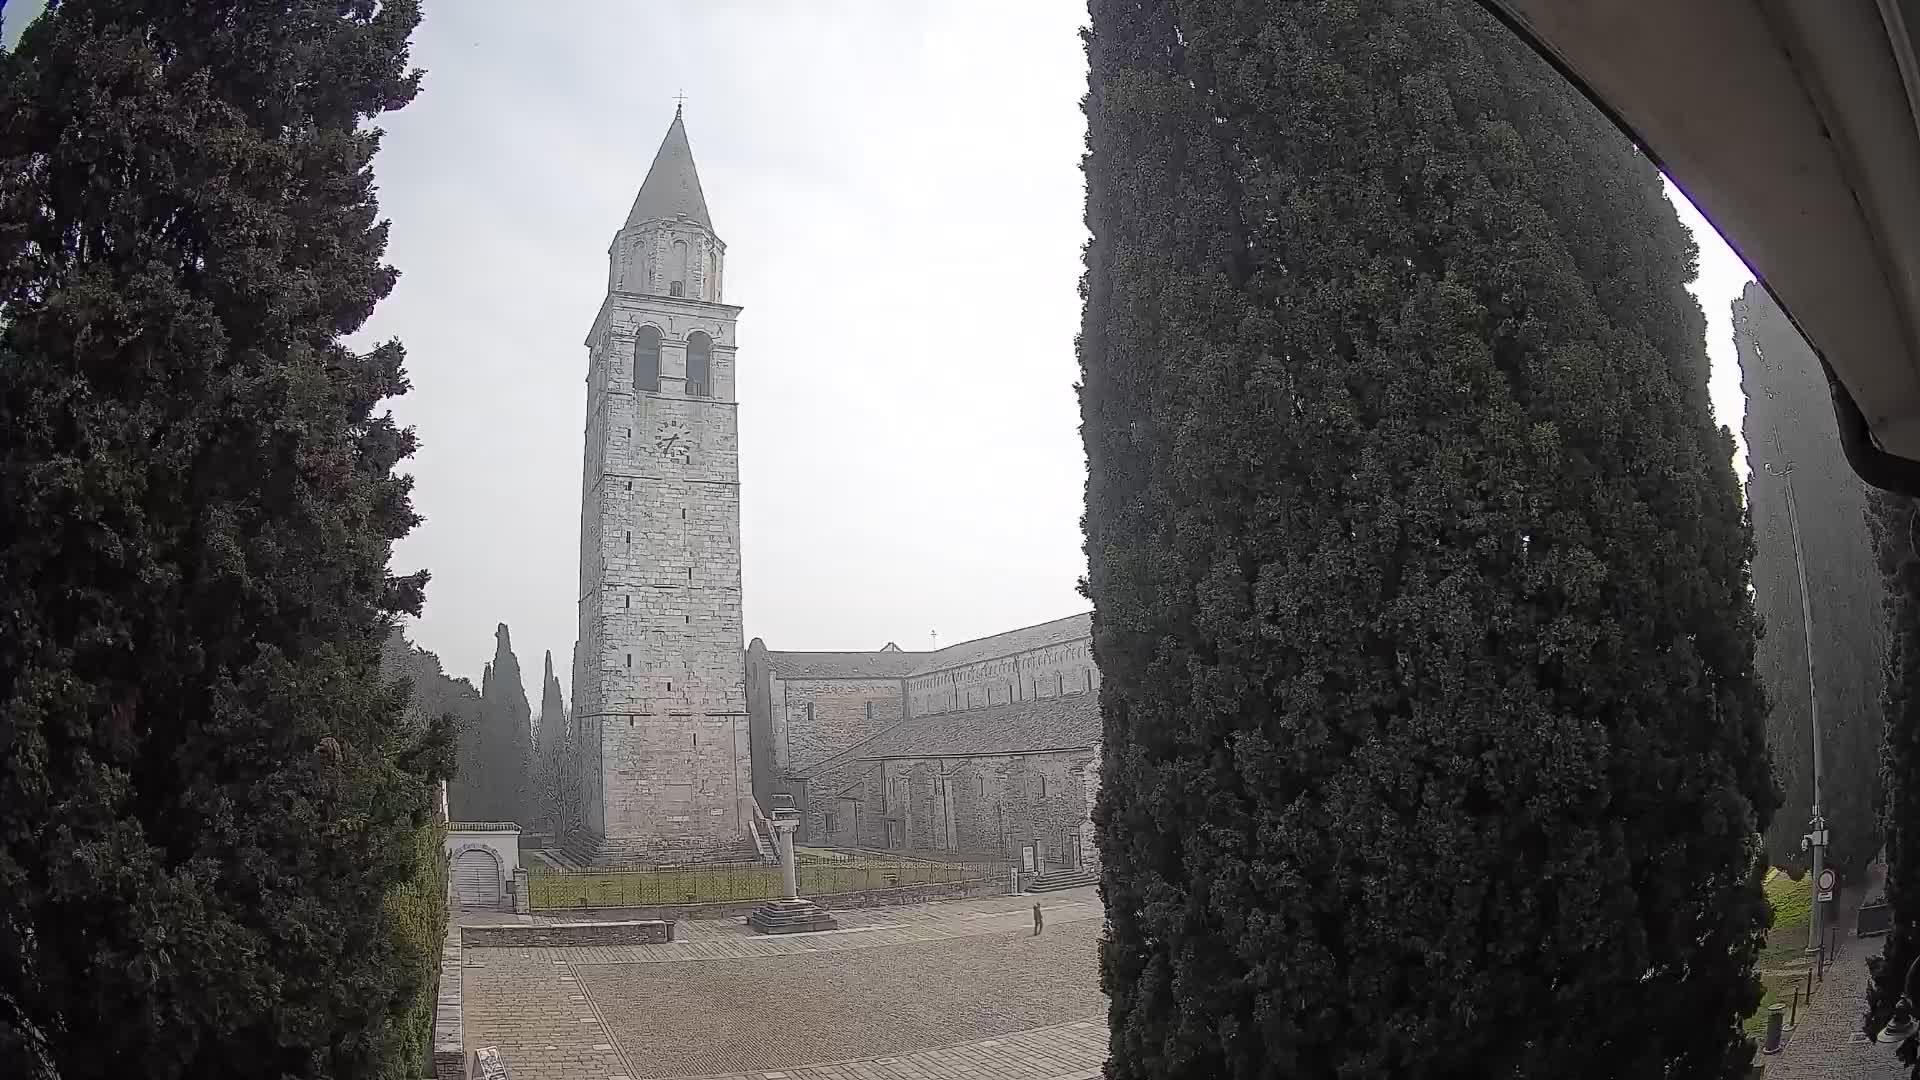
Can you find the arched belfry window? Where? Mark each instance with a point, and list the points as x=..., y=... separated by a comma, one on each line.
x=646, y=360
x=677, y=285
x=699, y=365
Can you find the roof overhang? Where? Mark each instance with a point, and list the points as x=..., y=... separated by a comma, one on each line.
x=1794, y=126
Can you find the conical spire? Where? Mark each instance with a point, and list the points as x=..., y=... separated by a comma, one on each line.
x=672, y=187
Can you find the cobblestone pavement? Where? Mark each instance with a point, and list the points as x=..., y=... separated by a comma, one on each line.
x=1826, y=1044
x=945, y=990
x=538, y=1016
x=1066, y=1052
x=774, y=1012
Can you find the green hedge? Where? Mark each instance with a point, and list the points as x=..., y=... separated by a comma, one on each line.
x=416, y=913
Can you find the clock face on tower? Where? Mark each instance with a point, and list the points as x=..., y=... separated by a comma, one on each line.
x=673, y=442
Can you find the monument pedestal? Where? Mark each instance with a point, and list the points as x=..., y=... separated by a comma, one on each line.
x=791, y=916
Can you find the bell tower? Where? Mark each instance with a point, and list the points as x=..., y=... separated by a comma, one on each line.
x=660, y=679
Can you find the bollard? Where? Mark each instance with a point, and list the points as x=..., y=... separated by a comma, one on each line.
x=1776, y=1022
x=1793, y=1020
x=1036, y=918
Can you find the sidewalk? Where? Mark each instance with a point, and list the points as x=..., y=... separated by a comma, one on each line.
x=1827, y=1043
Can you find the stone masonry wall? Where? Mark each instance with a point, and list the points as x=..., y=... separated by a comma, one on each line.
x=540, y=935
x=1025, y=676
x=662, y=676
x=983, y=805
x=814, y=719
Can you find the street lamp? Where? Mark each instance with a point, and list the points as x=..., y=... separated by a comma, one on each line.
x=1815, y=841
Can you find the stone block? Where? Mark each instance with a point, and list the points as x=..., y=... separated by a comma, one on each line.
x=561, y=935
x=791, y=917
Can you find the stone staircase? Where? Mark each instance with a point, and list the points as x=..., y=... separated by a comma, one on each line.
x=1055, y=880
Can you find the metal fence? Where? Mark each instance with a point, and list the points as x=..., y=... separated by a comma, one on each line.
x=713, y=883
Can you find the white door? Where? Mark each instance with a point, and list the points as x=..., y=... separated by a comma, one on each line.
x=476, y=880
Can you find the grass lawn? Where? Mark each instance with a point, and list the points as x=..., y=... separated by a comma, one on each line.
x=715, y=884
x=1772, y=988
x=1784, y=958
x=1792, y=907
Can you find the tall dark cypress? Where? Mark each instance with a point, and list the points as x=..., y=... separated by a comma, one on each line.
x=1793, y=444
x=549, y=753
x=1896, y=531
x=1434, y=743
x=506, y=737
x=435, y=694
x=208, y=789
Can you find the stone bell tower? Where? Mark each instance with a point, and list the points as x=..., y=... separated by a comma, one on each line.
x=660, y=676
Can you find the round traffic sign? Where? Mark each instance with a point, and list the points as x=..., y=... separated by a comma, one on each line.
x=1826, y=880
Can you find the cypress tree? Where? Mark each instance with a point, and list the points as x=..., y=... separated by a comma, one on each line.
x=1434, y=745
x=1792, y=440
x=209, y=789
x=550, y=741
x=1896, y=524
x=433, y=695
x=507, y=736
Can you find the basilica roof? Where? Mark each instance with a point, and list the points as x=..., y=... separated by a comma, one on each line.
x=1066, y=722
x=1027, y=638
x=892, y=664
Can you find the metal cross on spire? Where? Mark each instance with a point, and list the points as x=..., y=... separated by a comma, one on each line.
x=679, y=100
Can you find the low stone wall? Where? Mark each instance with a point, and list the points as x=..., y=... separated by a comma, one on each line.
x=551, y=935
x=449, y=1036
x=728, y=909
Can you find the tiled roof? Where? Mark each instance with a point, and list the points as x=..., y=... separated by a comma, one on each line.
x=1067, y=722
x=842, y=665
x=892, y=663
x=1059, y=631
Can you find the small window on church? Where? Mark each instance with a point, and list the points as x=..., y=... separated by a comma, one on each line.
x=678, y=267
x=699, y=365
x=646, y=360
x=678, y=288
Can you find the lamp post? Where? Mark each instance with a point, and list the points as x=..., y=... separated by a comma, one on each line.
x=1815, y=841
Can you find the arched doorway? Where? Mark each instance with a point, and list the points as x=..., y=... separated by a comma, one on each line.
x=476, y=879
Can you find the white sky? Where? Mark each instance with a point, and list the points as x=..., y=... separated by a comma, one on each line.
x=898, y=185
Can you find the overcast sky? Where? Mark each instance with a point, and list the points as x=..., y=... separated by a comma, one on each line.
x=898, y=185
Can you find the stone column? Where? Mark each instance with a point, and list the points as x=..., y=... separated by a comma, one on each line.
x=783, y=828
x=790, y=914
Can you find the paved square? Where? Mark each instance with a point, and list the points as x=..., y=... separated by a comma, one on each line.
x=738, y=1015
x=945, y=990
